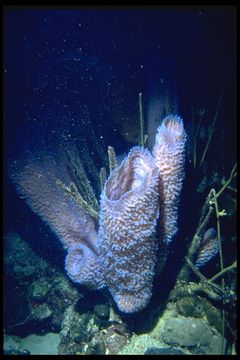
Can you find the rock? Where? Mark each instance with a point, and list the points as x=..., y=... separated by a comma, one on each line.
x=194, y=306
x=20, y=260
x=41, y=312
x=213, y=315
x=41, y=345
x=77, y=330
x=190, y=306
x=102, y=311
x=186, y=332
x=17, y=310
x=193, y=333
x=40, y=289
x=214, y=347
x=17, y=352
x=98, y=349
x=34, y=290
x=96, y=346
x=31, y=345
x=164, y=351
x=89, y=301
x=60, y=296
x=115, y=337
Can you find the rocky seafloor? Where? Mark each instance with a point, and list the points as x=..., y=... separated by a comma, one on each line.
x=45, y=313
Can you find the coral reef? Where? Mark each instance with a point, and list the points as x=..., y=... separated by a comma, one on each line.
x=128, y=217
x=177, y=333
x=208, y=249
x=36, y=180
x=122, y=254
x=36, y=294
x=76, y=331
x=169, y=152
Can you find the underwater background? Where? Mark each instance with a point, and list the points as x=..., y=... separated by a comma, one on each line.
x=72, y=79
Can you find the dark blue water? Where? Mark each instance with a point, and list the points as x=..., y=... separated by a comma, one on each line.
x=56, y=62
